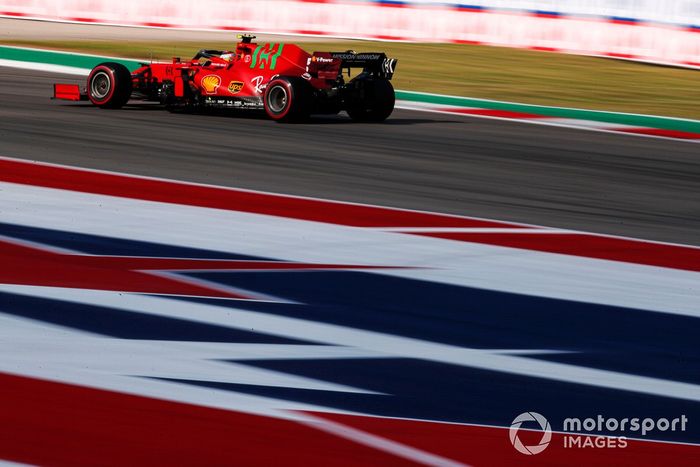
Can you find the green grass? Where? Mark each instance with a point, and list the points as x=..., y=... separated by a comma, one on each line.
x=485, y=72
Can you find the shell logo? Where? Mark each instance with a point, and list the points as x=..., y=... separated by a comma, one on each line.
x=211, y=83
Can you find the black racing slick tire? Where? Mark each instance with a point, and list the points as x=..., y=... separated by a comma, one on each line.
x=109, y=85
x=372, y=100
x=288, y=99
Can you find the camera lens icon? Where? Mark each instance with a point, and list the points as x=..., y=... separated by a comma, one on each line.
x=544, y=426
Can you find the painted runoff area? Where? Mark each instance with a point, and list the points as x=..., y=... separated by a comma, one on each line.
x=235, y=326
x=632, y=124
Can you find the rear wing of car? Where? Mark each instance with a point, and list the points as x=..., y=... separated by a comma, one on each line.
x=327, y=64
x=376, y=63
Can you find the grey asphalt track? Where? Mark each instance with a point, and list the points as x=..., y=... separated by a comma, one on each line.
x=617, y=184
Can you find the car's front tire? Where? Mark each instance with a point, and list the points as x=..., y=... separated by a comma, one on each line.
x=109, y=85
x=288, y=99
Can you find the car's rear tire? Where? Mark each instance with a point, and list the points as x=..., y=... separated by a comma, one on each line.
x=288, y=99
x=371, y=100
x=109, y=85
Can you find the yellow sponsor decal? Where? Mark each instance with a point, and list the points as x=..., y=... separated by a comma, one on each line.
x=211, y=83
x=235, y=87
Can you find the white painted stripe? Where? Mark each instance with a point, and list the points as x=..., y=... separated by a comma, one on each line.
x=588, y=124
x=417, y=105
x=71, y=372
x=403, y=347
x=612, y=129
x=554, y=121
x=127, y=177
x=67, y=70
x=448, y=262
x=574, y=124
x=552, y=107
x=474, y=230
x=65, y=53
x=5, y=463
x=26, y=345
x=380, y=443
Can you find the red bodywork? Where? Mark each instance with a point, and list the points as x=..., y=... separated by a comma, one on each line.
x=243, y=72
x=69, y=92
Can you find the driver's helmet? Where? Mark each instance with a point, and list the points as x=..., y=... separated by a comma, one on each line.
x=228, y=56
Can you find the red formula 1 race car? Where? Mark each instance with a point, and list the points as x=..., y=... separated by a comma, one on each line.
x=286, y=82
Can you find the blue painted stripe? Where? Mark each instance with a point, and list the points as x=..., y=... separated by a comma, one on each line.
x=614, y=338
x=547, y=13
x=463, y=6
x=432, y=391
x=99, y=245
x=127, y=324
x=390, y=2
x=623, y=19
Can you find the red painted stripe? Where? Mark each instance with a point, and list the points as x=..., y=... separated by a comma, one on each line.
x=544, y=49
x=626, y=22
x=25, y=265
x=620, y=55
x=548, y=15
x=391, y=38
x=390, y=5
x=44, y=422
x=83, y=20
x=28, y=266
x=577, y=244
x=485, y=446
x=50, y=423
x=590, y=246
x=310, y=32
x=13, y=13
x=496, y=113
x=158, y=25
x=675, y=134
x=37, y=174
x=661, y=132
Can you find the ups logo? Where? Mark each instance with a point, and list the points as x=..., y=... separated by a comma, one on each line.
x=235, y=87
